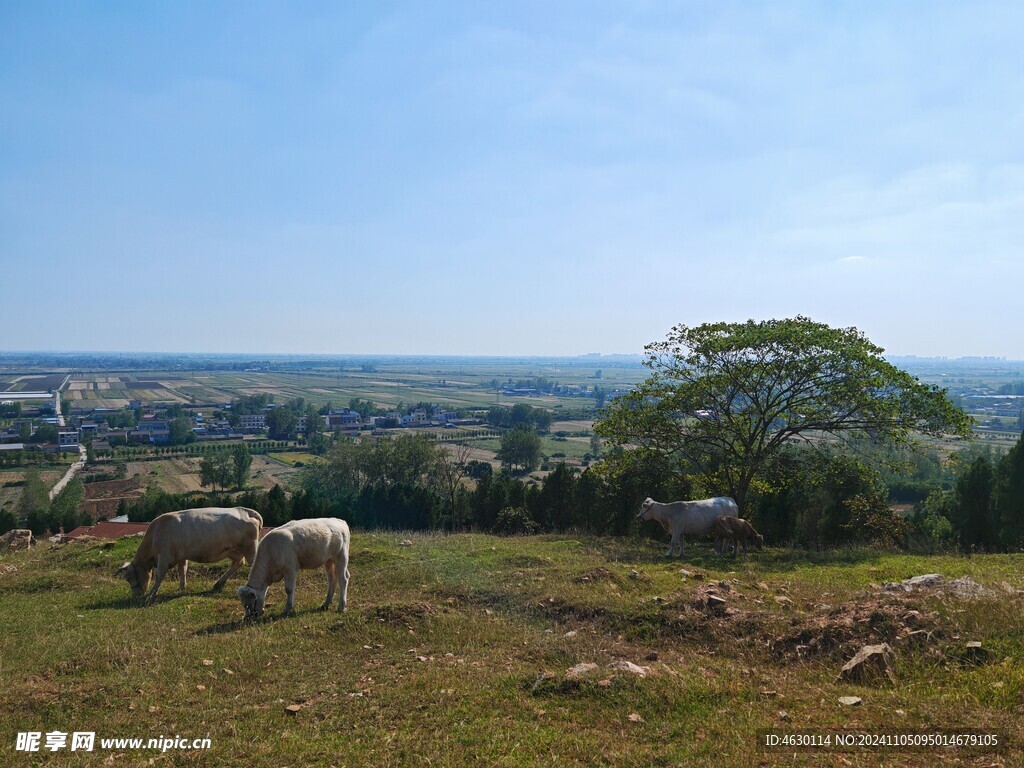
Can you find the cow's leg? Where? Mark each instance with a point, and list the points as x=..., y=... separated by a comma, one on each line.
x=218, y=585
x=250, y=553
x=182, y=572
x=332, y=579
x=671, y=545
x=289, y=590
x=342, y=575
x=162, y=567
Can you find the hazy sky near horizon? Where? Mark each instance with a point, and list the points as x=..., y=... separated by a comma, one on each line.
x=507, y=178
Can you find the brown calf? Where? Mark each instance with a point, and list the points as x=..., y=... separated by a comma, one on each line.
x=736, y=530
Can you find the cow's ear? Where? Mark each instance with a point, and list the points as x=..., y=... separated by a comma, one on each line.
x=123, y=568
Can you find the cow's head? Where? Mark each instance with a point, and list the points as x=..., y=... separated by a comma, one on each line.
x=759, y=541
x=645, y=509
x=137, y=577
x=252, y=601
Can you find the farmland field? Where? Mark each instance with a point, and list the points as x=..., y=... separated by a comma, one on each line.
x=456, y=650
x=182, y=475
x=459, y=385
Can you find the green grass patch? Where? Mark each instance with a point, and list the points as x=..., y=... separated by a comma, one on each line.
x=454, y=652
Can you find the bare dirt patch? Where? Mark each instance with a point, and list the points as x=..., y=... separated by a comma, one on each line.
x=841, y=631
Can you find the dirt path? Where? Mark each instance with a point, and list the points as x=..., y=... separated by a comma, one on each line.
x=72, y=471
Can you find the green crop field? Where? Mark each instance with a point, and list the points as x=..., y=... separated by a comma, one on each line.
x=455, y=651
x=461, y=385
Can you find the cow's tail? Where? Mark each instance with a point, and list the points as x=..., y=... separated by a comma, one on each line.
x=253, y=514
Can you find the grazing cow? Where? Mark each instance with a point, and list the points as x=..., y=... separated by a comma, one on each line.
x=205, y=535
x=300, y=544
x=694, y=518
x=736, y=530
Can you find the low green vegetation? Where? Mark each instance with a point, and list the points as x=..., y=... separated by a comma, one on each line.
x=455, y=650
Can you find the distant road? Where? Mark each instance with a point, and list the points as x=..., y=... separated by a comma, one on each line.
x=56, y=400
x=72, y=471
x=74, y=468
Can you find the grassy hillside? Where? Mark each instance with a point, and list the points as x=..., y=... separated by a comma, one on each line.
x=454, y=652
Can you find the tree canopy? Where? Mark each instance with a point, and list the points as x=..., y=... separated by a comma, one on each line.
x=724, y=398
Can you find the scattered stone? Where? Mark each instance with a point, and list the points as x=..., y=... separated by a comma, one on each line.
x=421, y=658
x=783, y=714
x=652, y=656
x=783, y=600
x=606, y=683
x=6, y=568
x=580, y=671
x=725, y=585
x=973, y=653
x=823, y=607
x=895, y=586
x=762, y=586
x=635, y=718
x=634, y=574
x=850, y=701
x=571, y=633
x=715, y=603
x=405, y=543
x=207, y=662
x=630, y=667
x=293, y=709
x=965, y=586
x=870, y=662
x=19, y=538
x=926, y=580
x=685, y=573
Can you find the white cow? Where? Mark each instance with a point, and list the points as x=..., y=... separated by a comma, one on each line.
x=205, y=535
x=694, y=518
x=297, y=545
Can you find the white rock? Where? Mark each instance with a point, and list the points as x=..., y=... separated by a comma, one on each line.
x=581, y=670
x=630, y=667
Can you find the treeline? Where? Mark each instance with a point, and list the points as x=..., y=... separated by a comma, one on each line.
x=985, y=508
x=22, y=457
x=520, y=416
x=814, y=498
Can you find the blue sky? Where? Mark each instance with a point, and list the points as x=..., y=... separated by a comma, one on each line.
x=507, y=178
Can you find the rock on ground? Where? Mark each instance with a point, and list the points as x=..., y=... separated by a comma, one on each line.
x=630, y=667
x=19, y=538
x=871, y=661
x=581, y=671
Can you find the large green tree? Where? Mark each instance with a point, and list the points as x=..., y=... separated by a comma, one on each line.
x=216, y=470
x=241, y=461
x=724, y=398
x=520, y=448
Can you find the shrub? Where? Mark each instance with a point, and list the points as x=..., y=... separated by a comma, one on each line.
x=513, y=521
